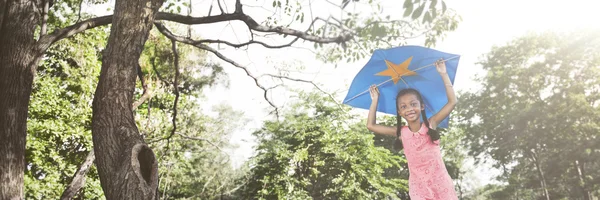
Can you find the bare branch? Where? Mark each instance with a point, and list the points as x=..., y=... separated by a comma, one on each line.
x=252, y=24
x=146, y=94
x=304, y=81
x=79, y=12
x=238, y=6
x=252, y=41
x=246, y=43
x=175, y=86
x=79, y=178
x=145, y=97
x=201, y=139
x=170, y=35
x=276, y=86
x=47, y=40
x=220, y=7
x=352, y=32
x=44, y=28
x=189, y=14
x=153, y=63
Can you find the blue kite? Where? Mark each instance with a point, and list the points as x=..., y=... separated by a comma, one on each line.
x=403, y=67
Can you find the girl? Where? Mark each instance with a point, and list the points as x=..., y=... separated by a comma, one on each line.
x=428, y=179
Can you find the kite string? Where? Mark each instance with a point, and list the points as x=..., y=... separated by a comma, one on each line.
x=367, y=90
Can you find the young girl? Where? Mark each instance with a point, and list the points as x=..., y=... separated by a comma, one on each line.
x=429, y=179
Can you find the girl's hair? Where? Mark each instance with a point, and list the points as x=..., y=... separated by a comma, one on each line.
x=433, y=134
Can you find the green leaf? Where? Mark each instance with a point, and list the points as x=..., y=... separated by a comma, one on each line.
x=443, y=6
x=433, y=4
x=427, y=18
x=418, y=11
x=408, y=8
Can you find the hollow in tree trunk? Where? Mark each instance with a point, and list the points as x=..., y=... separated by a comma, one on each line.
x=126, y=165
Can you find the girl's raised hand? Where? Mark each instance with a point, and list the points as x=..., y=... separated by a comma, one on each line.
x=374, y=92
x=440, y=65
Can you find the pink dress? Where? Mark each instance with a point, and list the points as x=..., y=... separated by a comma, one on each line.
x=429, y=179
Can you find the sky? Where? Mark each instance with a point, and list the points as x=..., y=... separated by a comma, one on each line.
x=485, y=23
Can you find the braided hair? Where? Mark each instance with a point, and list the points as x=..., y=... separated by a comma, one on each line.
x=433, y=134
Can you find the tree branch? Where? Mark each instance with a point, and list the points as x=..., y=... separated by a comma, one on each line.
x=146, y=94
x=153, y=63
x=201, y=139
x=245, y=43
x=220, y=7
x=44, y=27
x=238, y=6
x=170, y=35
x=304, y=81
x=79, y=177
x=79, y=12
x=175, y=86
x=47, y=40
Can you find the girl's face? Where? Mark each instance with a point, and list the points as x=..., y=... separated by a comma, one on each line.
x=409, y=107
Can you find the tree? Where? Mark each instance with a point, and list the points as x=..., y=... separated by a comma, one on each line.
x=537, y=114
x=314, y=154
x=60, y=113
x=59, y=119
x=199, y=153
x=114, y=124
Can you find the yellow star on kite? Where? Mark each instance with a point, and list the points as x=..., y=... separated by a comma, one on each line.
x=396, y=71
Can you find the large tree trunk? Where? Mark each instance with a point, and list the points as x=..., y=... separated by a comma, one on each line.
x=79, y=177
x=126, y=165
x=17, y=61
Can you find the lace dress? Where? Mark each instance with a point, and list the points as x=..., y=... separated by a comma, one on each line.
x=428, y=178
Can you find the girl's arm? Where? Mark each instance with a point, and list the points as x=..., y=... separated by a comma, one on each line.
x=445, y=111
x=371, y=124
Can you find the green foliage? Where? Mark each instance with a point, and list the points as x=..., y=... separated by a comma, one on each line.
x=157, y=63
x=175, y=6
x=538, y=112
x=198, y=168
x=192, y=163
x=369, y=30
x=314, y=153
x=432, y=9
x=452, y=149
x=329, y=157
x=372, y=30
x=59, y=123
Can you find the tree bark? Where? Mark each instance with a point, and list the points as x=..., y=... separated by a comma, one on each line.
x=17, y=65
x=543, y=182
x=126, y=165
x=587, y=195
x=79, y=177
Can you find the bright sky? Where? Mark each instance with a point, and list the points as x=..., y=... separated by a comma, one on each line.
x=485, y=23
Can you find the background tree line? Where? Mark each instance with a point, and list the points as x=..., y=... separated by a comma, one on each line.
x=138, y=106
